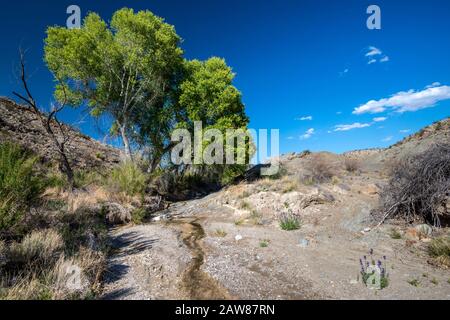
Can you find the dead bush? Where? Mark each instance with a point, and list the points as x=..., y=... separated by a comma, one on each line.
x=351, y=165
x=319, y=169
x=419, y=187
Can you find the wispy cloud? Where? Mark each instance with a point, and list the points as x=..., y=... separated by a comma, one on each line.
x=343, y=73
x=290, y=138
x=308, y=134
x=347, y=127
x=373, y=52
x=379, y=119
x=405, y=131
x=387, y=139
x=407, y=101
x=304, y=118
x=376, y=55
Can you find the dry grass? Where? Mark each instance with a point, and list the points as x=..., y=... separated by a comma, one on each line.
x=439, y=249
x=39, y=248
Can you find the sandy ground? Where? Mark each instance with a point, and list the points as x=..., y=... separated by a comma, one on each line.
x=318, y=261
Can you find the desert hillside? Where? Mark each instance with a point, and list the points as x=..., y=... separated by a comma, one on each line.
x=18, y=124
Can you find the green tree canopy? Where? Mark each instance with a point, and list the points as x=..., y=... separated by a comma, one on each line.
x=120, y=69
x=133, y=70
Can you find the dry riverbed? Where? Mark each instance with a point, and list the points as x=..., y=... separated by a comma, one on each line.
x=197, y=250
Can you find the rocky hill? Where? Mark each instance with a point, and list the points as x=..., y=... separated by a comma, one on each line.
x=19, y=125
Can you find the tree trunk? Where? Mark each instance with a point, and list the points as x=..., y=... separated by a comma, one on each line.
x=126, y=143
x=67, y=169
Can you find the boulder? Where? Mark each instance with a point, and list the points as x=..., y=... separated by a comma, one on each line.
x=370, y=189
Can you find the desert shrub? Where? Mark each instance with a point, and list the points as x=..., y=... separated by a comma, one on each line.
x=395, y=234
x=38, y=248
x=138, y=215
x=85, y=178
x=83, y=227
x=351, y=165
x=289, y=222
x=221, y=233
x=320, y=170
x=27, y=288
x=128, y=178
x=20, y=186
x=439, y=249
x=419, y=187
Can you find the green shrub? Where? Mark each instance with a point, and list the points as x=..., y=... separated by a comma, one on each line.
x=395, y=234
x=289, y=222
x=20, y=186
x=138, y=215
x=128, y=178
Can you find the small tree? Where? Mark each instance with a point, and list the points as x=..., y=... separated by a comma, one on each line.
x=57, y=132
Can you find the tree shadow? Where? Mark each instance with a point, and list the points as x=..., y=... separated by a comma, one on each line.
x=130, y=243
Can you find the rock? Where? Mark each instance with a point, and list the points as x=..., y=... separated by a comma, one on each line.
x=303, y=243
x=238, y=237
x=117, y=214
x=419, y=232
x=424, y=230
x=370, y=189
x=320, y=197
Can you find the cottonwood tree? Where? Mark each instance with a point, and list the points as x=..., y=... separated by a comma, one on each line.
x=57, y=132
x=207, y=95
x=124, y=69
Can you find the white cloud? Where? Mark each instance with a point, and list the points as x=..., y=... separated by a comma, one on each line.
x=405, y=131
x=387, y=139
x=339, y=112
x=379, y=119
x=305, y=118
x=308, y=134
x=347, y=127
x=373, y=52
x=434, y=84
x=343, y=73
x=407, y=101
x=290, y=138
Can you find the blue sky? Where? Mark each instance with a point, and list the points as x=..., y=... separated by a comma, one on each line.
x=293, y=59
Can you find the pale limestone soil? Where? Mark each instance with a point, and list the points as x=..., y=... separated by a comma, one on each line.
x=148, y=264
x=326, y=268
